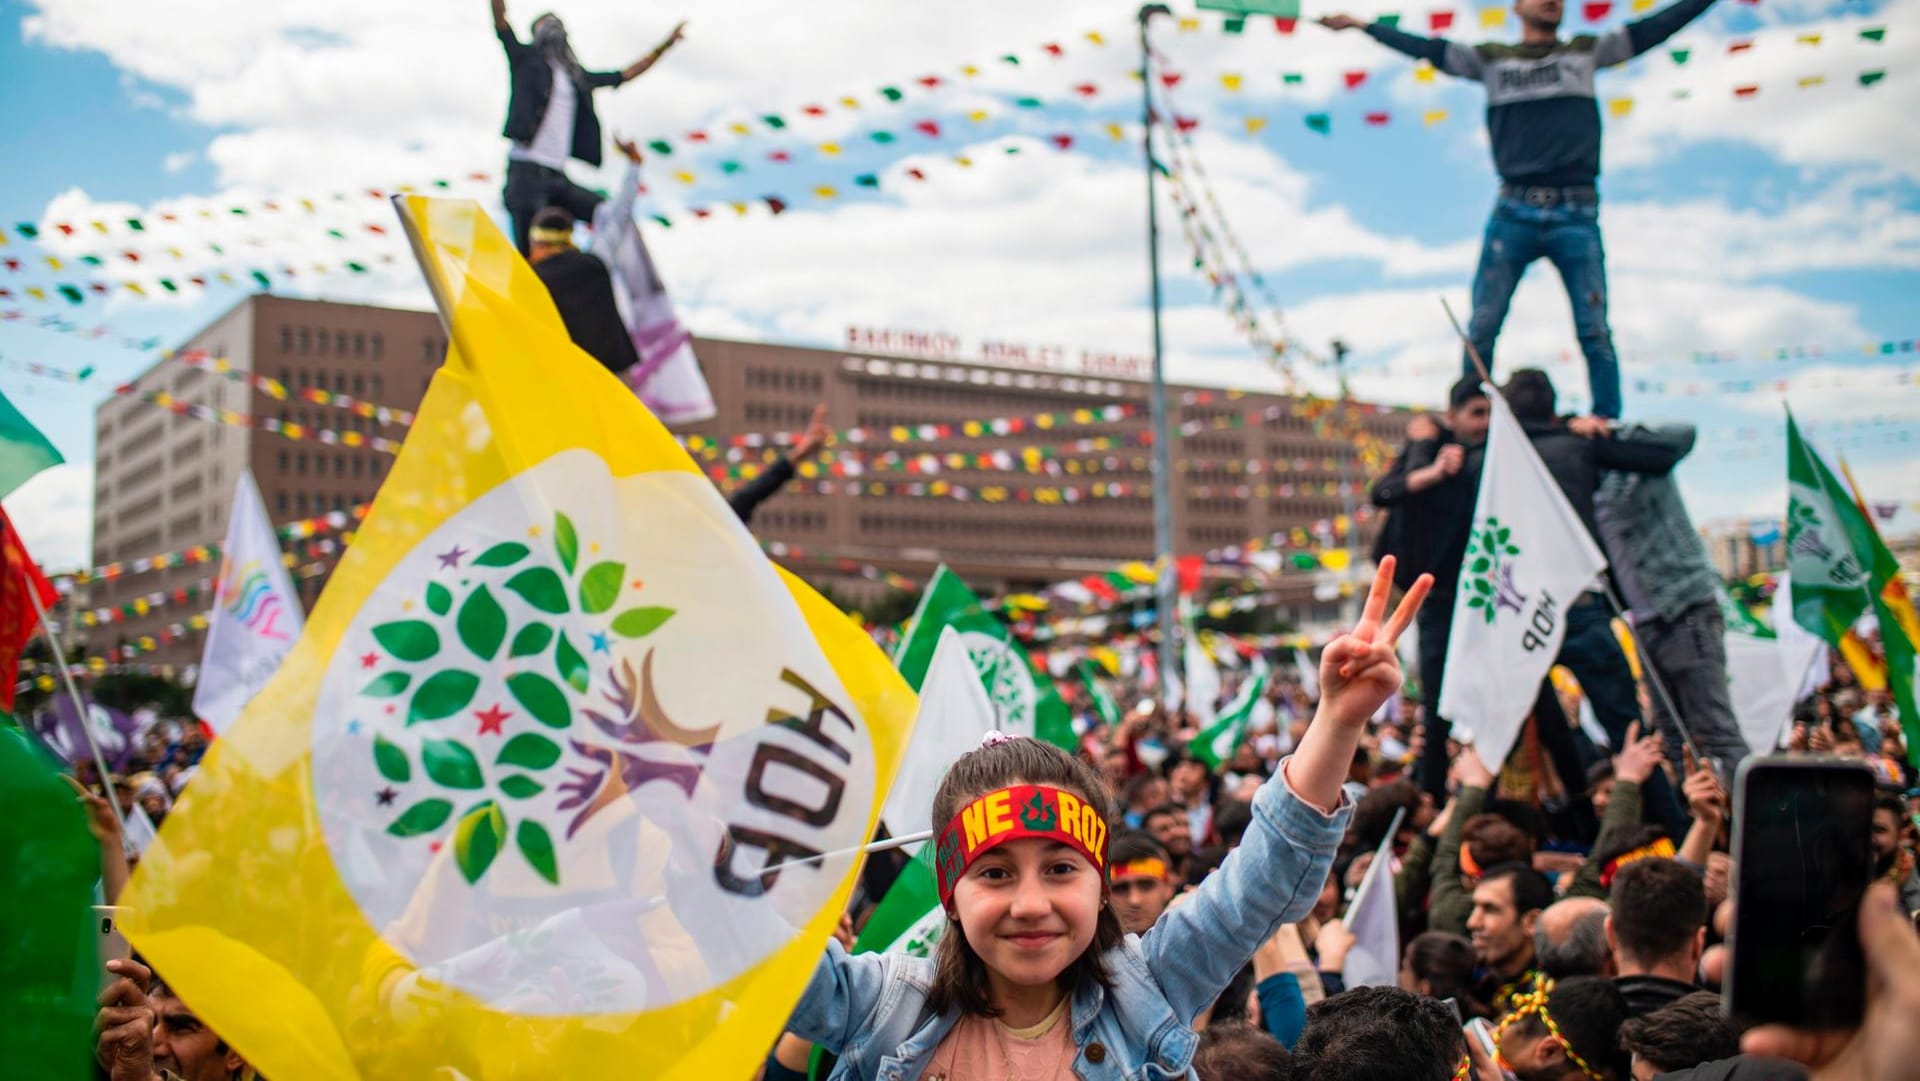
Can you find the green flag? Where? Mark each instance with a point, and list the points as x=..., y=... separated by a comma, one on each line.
x=1024, y=699
x=1738, y=618
x=52, y=957
x=24, y=451
x=1826, y=538
x=1899, y=626
x=1217, y=742
x=1102, y=702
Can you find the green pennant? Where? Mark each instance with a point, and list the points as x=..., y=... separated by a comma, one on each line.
x=867, y=180
x=1292, y=78
x=1320, y=122
x=136, y=225
x=91, y=260
x=882, y=137
x=1161, y=167
x=1010, y=59
x=357, y=268
x=1874, y=33
x=774, y=121
x=167, y=284
x=53, y=962
x=1390, y=19
x=27, y=229
x=72, y=293
x=1868, y=78
x=1233, y=24
x=260, y=278
x=730, y=167
x=336, y=234
x=442, y=184
x=1680, y=55
x=661, y=221
x=891, y=93
x=660, y=147
x=1028, y=103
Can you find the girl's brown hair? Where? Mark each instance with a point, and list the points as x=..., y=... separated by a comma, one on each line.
x=960, y=976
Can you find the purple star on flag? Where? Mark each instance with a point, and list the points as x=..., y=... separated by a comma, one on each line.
x=386, y=796
x=450, y=559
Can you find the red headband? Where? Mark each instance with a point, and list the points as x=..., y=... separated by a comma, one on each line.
x=1660, y=849
x=1011, y=814
x=1150, y=867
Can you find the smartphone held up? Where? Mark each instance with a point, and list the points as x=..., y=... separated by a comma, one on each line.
x=1803, y=857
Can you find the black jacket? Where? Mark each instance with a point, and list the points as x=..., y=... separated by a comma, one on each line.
x=531, y=89
x=1576, y=463
x=1740, y=1068
x=1645, y=994
x=582, y=289
x=1426, y=532
x=761, y=488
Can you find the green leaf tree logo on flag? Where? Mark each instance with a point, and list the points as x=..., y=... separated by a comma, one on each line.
x=1008, y=680
x=423, y=684
x=1487, y=578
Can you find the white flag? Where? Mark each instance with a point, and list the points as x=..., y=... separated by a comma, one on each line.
x=1797, y=641
x=1374, y=921
x=1309, y=674
x=256, y=614
x=1203, y=682
x=955, y=713
x=1763, y=679
x=1528, y=560
x=668, y=377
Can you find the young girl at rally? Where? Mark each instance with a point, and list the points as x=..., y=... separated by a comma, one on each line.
x=1034, y=979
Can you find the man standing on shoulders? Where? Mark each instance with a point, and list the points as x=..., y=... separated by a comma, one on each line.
x=550, y=118
x=1544, y=124
x=1671, y=589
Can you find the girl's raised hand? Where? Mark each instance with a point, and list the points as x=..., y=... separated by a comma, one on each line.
x=1360, y=670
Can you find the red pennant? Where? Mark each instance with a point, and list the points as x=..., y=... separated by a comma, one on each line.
x=1740, y=46
x=780, y=156
x=928, y=81
x=916, y=174
x=1378, y=120
x=1185, y=123
x=813, y=110
x=65, y=229
x=1596, y=10
x=1169, y=79
x=132, y=256
x=378, y=230
x=13, y=264
x=1745, y=91
x=696, y=136
x=701, y=212
x=376, y=193
x=98, y=287
x=931, y=127
x=1188, y=568
x=775, y=204
x=1086, y=90
x=1354, y=79
x=1053, y=49
x=1439, y=20
x=1284, y=24
x=1063, y=141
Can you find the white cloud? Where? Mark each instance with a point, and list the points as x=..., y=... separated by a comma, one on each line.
x=54, y=513
x=178, y=160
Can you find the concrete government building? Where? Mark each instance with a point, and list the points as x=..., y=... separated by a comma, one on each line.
x=164, y=481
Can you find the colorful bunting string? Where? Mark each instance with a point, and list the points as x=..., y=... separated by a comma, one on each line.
x=297, y=530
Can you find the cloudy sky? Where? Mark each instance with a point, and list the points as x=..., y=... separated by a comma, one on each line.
x=1736, y=223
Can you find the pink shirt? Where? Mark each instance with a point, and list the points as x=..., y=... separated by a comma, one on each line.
x=984, y=1049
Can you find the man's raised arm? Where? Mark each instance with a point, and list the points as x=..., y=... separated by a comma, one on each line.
x=639, y=67
x=1449, y=56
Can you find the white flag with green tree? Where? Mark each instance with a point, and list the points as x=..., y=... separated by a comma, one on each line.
x=1024, y=698
x=1216, y=743
x=1528, y=559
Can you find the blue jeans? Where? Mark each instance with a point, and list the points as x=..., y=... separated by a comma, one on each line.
x=1568, y=235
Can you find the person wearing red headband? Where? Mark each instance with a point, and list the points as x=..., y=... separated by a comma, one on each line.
x=1034, y=977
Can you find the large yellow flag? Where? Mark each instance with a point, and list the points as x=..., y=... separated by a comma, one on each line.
x=518, y=803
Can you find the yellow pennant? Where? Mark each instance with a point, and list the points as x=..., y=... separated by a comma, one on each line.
x=1189, y=24
x=1423, y=72
x=851, y=103
x=1812, y=80
x=683, y=177
x=1231, y=81
x=1493, y=18
x=1620, y=106
x=1096, y=37
x=1808, y=39
x=1433, y=116
x=825, y=191
x=829, y=148
x=1116, y=132
x=532, y=792
x=1255, y=124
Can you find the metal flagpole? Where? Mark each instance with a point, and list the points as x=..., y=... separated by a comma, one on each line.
x=73, y=690
x=1164, y=572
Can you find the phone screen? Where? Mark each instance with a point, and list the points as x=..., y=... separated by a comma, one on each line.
x=1804, y=854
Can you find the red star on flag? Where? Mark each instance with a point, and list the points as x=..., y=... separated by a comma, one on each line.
x=369, y=660
x=491, y=719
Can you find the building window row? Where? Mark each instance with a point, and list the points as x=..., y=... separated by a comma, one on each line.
x=344, y=463
x=785, y=379
x=1216, y=506
x=320, y=341
x=356, y=384
x=304, y=504
x=964, y=527
x=778, y=414
x=996, y=377
x=784, y=521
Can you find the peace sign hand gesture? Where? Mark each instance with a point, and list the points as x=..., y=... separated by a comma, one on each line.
x=1360, y=670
